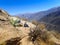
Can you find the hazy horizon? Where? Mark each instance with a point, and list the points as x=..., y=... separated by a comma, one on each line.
x=27, y=6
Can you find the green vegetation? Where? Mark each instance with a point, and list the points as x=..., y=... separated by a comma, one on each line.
x=15, y=23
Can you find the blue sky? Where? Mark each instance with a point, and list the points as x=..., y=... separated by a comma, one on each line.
x=27, y=6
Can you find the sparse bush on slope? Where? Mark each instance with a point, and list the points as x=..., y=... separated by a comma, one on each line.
x=37, y=37
x=40, y=37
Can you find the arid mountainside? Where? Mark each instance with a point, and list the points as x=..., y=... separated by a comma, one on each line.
x=15, y=31
x=54, y=19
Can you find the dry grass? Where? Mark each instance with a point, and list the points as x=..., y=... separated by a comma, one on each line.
x=43, y=37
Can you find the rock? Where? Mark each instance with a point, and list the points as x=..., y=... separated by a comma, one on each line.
x=3, y=15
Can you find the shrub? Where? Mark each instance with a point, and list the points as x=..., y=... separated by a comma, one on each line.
x=15, y=22
x=38, y=36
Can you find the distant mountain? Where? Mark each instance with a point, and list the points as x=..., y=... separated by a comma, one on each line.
x=38, y=15
x=53, y=18
x=32, y=16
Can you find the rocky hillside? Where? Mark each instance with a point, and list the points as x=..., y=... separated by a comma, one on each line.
x=15, y=31
x=52, y=18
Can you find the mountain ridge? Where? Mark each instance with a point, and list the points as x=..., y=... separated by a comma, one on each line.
x=39, y=15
